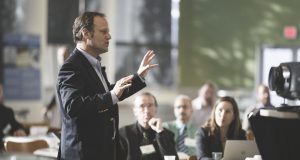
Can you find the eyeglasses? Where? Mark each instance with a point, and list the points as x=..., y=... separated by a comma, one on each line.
x=182, y=106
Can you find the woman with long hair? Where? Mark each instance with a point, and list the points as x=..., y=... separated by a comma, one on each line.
x=223, y=124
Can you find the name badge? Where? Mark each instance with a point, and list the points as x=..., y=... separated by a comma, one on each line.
x=147, y=149
x=190, y=142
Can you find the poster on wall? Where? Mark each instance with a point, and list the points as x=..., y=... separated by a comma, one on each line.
x=21, y=54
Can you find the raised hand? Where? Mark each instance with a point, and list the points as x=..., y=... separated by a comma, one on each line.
x=121, y=85
x=146, y=63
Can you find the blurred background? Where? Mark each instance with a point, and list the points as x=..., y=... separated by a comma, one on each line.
x=230, y=43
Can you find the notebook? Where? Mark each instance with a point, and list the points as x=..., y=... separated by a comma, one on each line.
x=239, y=149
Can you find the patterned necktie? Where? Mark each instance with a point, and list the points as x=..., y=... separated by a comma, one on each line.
x=181, y=146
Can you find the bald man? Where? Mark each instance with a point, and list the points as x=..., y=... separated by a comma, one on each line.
x=183, y=111
x=203, y=104
x=263, y=101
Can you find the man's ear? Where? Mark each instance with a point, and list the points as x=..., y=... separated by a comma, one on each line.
x=86, y=34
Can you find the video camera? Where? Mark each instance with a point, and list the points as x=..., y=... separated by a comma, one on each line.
x=276, y=130
x=285, y=80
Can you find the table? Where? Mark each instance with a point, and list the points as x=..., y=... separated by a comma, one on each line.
x=18, y=156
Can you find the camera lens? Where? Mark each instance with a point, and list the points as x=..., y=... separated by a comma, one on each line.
x=276, y=79
x=285, y=80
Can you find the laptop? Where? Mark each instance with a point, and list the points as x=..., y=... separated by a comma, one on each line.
x=239, y=149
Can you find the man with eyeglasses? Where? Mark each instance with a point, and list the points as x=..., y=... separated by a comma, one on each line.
x=182, y=127
x=146, y=139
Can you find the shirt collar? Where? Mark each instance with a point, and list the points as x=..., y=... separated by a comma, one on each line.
x=90, y=58
x=179, y=124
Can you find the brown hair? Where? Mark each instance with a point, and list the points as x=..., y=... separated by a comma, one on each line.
x=84, y=21
x=235, y=126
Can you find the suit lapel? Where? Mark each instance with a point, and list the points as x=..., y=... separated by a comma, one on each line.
x=90, y=70
x=138, y=135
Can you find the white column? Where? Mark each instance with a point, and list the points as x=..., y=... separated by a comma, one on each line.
x=109, y=8
x=33, y=22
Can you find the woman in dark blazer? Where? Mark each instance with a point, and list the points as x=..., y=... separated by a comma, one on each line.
x=224, y=123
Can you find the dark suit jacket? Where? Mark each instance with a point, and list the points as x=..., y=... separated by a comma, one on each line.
x=206, y=144
x=131, y=138
x=8, y=123
x=89, y=118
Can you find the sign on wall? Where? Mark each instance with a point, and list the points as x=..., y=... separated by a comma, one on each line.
x=21, y=54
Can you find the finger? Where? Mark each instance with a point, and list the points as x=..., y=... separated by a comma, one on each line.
x=149, y=66
x=148, y=54
x=151, y=121
x=154, y=121
x=125, y=79
x=152, y=124
x=125, y=86
x=128, y=78
x=151, y=53
x=153, y=65
x=148, y=61
x=150, y=57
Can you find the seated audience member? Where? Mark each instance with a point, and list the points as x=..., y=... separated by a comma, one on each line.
x=224, y=124
x=8, y=123
x=263, y=101
x=203, y=104
x=146, y=139
x=182, y=127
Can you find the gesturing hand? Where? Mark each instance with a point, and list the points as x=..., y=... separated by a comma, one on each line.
x=156, y=124
x=121, y=85
x=146, y=64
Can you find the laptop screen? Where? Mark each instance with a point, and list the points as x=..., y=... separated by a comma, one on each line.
x=239, y=149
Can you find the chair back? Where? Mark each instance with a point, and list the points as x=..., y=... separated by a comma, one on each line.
x=25, y=147
x=192, y=157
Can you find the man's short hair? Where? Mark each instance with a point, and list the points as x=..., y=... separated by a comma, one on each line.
x=184, y=97
x=150, y=95
x=84, y=21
